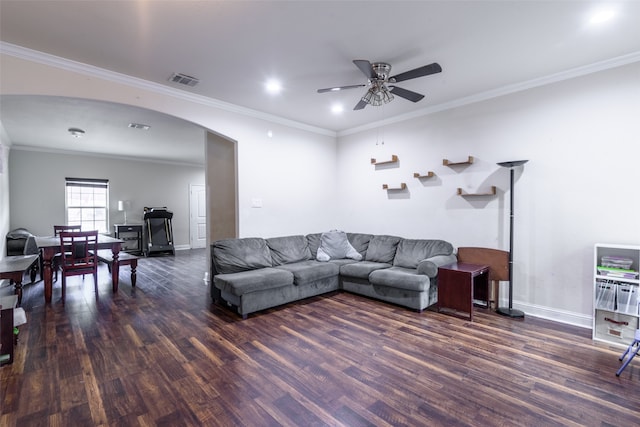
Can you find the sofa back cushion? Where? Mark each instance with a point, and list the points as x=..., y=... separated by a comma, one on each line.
x=235, y=255
x=382, y=248
x=313, y=240
x=411, y=251
x=288, y=249
x=360, y=242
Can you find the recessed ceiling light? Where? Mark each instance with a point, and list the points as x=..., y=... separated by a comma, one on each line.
x=602, y=15
x=139, y=126
x=337, y=108
x=273, y=86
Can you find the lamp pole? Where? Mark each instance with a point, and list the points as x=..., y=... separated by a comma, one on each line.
x=510, y=311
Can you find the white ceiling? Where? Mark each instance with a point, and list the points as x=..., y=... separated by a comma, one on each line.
x=233, y=47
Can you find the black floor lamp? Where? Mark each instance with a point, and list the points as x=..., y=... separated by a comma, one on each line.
x=510, y=311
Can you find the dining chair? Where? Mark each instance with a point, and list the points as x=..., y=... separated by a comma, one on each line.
x=79, y=257
x=57, y=229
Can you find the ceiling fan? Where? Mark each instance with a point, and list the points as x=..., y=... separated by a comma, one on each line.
x=378, y=77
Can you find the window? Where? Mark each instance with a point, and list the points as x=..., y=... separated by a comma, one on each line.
x=87, y=201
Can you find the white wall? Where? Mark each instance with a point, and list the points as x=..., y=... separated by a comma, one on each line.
x=38, y=183
x=4, y=190
x=580, y=186
x=294, y=177
x=293, y=172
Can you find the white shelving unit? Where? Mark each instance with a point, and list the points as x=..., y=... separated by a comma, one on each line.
x=616, y=297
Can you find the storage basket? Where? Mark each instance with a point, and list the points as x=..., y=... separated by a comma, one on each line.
x=627, y=298
x=615, y=325
x=605, y=295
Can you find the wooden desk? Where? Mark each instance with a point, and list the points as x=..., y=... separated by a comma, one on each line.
x=50, y=245
x=457, y=284
x=14, y=267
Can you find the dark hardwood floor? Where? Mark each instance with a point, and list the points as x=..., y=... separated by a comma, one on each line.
x=162, y=354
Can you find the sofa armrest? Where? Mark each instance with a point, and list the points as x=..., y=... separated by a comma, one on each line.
x=430, y=266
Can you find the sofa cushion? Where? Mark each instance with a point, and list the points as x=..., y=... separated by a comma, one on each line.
x=310, y=271
x=360, y=242
x=255, y=280
x=382, y=249
x=288, y=249
x=361, y=269
x=234, y=255
x=401, y=278
x=313, y=240
x=335, y=245
x=411, y=251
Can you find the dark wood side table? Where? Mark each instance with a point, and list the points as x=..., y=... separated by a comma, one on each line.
x=458, y=284
x=14, y=267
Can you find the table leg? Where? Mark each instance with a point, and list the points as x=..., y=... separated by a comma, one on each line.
x=48, y=275
x=134, y=266
x=115, y=269
x=18, y=288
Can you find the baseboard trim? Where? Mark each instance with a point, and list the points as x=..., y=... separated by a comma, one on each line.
x=562, y=316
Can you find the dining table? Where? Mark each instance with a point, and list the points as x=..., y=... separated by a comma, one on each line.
x=50, y=245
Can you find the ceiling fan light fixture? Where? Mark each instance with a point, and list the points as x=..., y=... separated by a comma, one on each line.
x=378, y=95
x=387, y=97
x=368, y=97
x=76, y=132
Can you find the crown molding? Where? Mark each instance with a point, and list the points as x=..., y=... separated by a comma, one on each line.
x=31, y=148
x=81, y=68
x=505, y=90
x=112, y=76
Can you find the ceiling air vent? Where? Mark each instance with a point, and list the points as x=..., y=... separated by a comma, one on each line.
x=183, y=79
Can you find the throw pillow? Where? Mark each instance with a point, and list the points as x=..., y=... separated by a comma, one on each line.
x=335, y=245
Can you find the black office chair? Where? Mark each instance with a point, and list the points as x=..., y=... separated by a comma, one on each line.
x=21, y=242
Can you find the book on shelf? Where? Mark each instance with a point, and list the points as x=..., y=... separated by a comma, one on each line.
x=617, y=272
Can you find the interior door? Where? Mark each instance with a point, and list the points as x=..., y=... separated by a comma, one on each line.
x=198, y=216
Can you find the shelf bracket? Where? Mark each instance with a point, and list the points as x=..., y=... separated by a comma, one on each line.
x=446, y=162
x=394, y=159
x=429, y=174
x=403, y=186
x=492, y=192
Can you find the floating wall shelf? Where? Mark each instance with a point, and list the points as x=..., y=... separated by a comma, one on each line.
x=403, y=186
x=394, y=159
x=428, y=175
x=490, y=193
x=466, y=162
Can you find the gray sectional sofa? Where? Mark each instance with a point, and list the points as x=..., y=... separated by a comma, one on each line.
x=253, y=274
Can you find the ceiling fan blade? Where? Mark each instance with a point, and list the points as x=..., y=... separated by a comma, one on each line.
x=339, y=88
x=360, y=105
x=406, y=94
x=417, y=72
x=366, y=67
